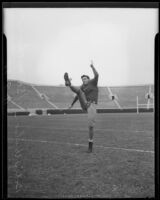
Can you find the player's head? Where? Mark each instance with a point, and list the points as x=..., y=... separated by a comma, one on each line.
x=85, y=79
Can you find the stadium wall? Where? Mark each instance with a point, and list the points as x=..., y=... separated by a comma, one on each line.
x=75, y=111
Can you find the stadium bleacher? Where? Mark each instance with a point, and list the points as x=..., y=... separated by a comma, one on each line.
x=25, y=96
x=11, y=105
x=34, y=97
x=59, y=95
x=63, y=96
x=127, y=95
x=104, y=100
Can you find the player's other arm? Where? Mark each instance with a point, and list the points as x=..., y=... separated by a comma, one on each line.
x=74, y=101
x=96, y=75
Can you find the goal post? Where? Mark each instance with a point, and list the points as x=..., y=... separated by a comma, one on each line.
x=148, y=105
x=137, y=105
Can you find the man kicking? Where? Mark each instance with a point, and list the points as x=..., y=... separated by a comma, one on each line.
x=87, y=94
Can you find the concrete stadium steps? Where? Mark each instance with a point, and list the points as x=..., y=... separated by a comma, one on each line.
x=57, y=94
x=104, y=100
x=61, y=96
x=30, y=101
x=127, y=95
x=10, y=105
x=25, y=96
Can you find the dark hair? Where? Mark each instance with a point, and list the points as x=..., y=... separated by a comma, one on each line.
x=85, y=76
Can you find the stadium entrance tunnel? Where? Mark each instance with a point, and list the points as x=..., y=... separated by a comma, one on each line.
x=76, y=111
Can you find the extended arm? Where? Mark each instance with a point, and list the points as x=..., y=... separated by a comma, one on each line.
x=94, y=71
x=96, y=75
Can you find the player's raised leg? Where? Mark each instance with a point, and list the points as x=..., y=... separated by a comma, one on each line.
x=81, y=96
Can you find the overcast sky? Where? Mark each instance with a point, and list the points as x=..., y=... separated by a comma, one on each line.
x=44, y=43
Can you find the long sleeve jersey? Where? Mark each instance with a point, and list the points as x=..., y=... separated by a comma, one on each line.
x=90, y=90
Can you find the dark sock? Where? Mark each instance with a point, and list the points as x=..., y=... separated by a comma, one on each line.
x=90, y=146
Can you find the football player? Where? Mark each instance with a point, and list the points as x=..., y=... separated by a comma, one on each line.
x=87, y=94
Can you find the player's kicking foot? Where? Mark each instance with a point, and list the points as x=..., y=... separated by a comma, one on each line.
x=67, y=80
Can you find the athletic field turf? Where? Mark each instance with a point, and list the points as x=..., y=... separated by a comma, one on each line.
x=47, y=156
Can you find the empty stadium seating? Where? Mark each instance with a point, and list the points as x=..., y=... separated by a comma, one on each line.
x=127, y=95
x=11, y=105
x=34, y=97
x=104, y=100
x=24, y=95
x=60, y=96
x=63, y=96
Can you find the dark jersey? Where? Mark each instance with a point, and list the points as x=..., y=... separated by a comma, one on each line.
x=91, y=90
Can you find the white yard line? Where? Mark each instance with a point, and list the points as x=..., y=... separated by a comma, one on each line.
x=83, y=129
x=75, y=144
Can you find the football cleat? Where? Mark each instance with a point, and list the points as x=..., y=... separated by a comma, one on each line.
x=67, y=80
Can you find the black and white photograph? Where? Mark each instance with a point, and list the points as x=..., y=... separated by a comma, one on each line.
x=80, y=101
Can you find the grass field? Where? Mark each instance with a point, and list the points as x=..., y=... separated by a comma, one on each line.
x=47, y=156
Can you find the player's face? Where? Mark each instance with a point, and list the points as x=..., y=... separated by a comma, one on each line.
x=85, y=80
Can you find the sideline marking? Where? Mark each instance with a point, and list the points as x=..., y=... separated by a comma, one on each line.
x=74, y=144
